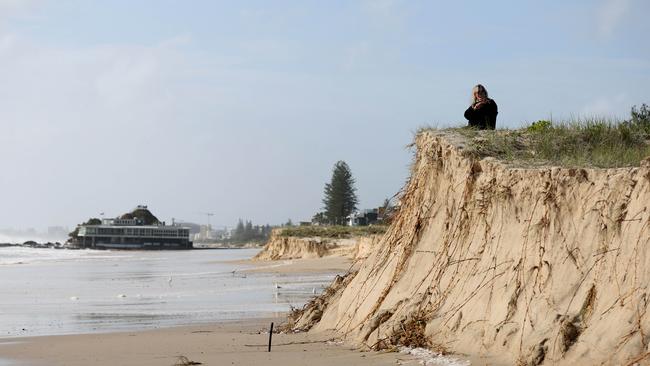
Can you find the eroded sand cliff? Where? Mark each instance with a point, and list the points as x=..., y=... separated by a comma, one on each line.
x=523, y=266
x=281, y=247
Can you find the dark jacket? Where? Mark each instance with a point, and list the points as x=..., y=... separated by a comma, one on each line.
x=484, y=117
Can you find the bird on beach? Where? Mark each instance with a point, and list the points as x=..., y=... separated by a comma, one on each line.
x=313, y=290
x=242, y=275
x=169, y=281
x=277, y=286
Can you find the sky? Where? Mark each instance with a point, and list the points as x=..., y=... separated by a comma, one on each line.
x=242, y=108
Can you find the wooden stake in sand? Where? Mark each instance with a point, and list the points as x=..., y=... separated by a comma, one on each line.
x=270, y=336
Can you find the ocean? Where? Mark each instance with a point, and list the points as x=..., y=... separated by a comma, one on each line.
x=56, y=291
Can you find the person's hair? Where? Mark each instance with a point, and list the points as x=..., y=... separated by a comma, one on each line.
x=480, y=89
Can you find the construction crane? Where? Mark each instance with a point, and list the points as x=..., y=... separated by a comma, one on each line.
x=175, y=220
x=208, y=214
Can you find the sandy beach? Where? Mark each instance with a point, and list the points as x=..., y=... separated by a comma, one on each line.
x=333, y=264
x=228, y=343
x=220, y=342
x=55, y=292
x=241, y=342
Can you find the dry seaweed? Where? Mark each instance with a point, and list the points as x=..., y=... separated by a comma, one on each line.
x=184, y=361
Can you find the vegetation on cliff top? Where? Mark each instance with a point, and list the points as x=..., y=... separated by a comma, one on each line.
x=331, y=231
x=595, y=142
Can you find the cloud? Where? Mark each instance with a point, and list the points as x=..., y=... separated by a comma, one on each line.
x=64, y=107
x=380, y=6
x=609, y=14
x=63, y=82
x=387, y=13
x=356, y=56
x=10, y=9
x=607, y=106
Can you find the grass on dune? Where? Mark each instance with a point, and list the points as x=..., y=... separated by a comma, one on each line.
x=332, y=231
x=594, y=142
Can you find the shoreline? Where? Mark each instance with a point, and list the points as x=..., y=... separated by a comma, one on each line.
x=329, y=264
x=239, y=342
x=213, y=342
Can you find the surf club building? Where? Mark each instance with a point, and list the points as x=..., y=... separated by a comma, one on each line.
x=138, y=229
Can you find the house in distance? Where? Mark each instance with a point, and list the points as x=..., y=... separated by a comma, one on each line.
x=363, y=218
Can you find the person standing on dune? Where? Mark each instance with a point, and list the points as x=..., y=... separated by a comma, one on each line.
x=482, y=114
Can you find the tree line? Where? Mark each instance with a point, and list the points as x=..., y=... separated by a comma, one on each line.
x=247, y=232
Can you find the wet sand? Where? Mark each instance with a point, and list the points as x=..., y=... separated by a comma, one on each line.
x=229, y=343
x=56, y=292
x=239, y=342
x=226, y=342
x=331, y=264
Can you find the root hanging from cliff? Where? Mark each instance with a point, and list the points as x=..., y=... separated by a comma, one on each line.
x=403, y=234
x=409, y=332
x=525, y=264
x=303, y=319
x=536, y=355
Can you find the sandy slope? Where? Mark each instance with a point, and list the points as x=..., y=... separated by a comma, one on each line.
x=523, y=266
x=281, y=247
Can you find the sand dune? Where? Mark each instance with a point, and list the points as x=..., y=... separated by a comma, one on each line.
x=283, y=247
x=512, y=265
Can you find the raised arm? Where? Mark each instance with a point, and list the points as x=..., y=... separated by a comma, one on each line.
x=469, y=113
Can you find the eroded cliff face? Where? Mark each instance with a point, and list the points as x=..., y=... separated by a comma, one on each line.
x=282, y=247
x=525, y=266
